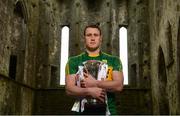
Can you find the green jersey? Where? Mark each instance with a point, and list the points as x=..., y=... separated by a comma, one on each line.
x=113, y=62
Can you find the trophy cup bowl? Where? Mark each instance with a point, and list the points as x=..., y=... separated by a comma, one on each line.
x=92, y=67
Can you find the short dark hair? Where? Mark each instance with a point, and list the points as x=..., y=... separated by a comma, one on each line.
x=92, y=26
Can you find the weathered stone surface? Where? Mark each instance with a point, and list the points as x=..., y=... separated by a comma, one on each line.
x=30, y=42
x=163, y=35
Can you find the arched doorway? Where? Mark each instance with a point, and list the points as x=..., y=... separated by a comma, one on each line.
x=163, y=95
x=18, y=43
x=178, y=60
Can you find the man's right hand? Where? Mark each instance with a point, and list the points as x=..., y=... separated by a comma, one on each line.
x=97, y=93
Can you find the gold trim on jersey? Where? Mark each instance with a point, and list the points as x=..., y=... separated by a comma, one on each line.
x=109, y=73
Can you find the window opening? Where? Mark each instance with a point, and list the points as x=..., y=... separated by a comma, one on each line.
x=12, y=66
x=64, y=53
x=123, y=52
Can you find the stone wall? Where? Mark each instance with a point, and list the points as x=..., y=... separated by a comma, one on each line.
x=15, y=98
x=164, y=19
x=30, y=42
x=55, y=101
x=138, y=44
x=18, y=30
x=134, y=101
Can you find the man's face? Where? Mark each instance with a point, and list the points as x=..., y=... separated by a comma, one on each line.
x=92, y=39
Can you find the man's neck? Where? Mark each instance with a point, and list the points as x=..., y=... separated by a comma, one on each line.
x=93, y=53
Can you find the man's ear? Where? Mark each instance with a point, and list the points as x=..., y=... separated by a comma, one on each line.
x=83, y=38
x=101, y=38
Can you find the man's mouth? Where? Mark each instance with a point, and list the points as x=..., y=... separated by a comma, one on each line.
x=92, y=43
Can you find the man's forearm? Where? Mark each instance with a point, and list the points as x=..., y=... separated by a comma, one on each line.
x=72, y=89
x=77, y=91
x=110, y=85
x=115, y=85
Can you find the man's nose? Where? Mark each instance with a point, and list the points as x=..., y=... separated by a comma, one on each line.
x=92, y=38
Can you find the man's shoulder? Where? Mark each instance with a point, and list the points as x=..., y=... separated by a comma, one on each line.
x=106, y=55
x=77, y=57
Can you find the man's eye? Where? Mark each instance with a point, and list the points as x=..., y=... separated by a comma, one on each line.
x=96, y=35
x=88, y=35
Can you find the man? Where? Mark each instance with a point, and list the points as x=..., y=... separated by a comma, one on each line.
x=90, y=87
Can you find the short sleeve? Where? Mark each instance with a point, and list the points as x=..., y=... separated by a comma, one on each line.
x=117, y=64
x=70, y=67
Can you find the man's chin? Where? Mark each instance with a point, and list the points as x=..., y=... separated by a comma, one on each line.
x=92, y=49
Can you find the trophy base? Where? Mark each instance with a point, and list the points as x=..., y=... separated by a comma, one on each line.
x=94, y=101
x=94, y=107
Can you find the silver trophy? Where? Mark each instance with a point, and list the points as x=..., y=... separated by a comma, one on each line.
x=92, y=67
x=98, y=70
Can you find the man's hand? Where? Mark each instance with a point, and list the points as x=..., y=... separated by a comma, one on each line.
x=88, y=81
x=97, y=93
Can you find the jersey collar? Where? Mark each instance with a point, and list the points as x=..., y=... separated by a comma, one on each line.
x=86, y=53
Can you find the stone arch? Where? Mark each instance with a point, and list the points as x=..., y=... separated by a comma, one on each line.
x=178, y=60
x=20, y=6
x=18, y=40
x=169, y=45
x=162, y=77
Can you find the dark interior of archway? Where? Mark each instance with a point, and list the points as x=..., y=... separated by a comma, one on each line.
x=178, y=58
x=163, y=99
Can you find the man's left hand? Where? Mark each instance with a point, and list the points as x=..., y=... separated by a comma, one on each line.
x=88, y=81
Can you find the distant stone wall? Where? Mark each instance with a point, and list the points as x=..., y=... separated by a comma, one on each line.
x=130, y=101
x=53, y=102
x=138, y=44
x=134, y=101
x=19, y=99
x=15, y=98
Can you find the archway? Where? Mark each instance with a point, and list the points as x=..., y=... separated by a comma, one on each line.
x=163, y=95
x=18, y=40
x=178, y=60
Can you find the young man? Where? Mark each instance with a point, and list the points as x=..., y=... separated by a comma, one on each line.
x=90, y=87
